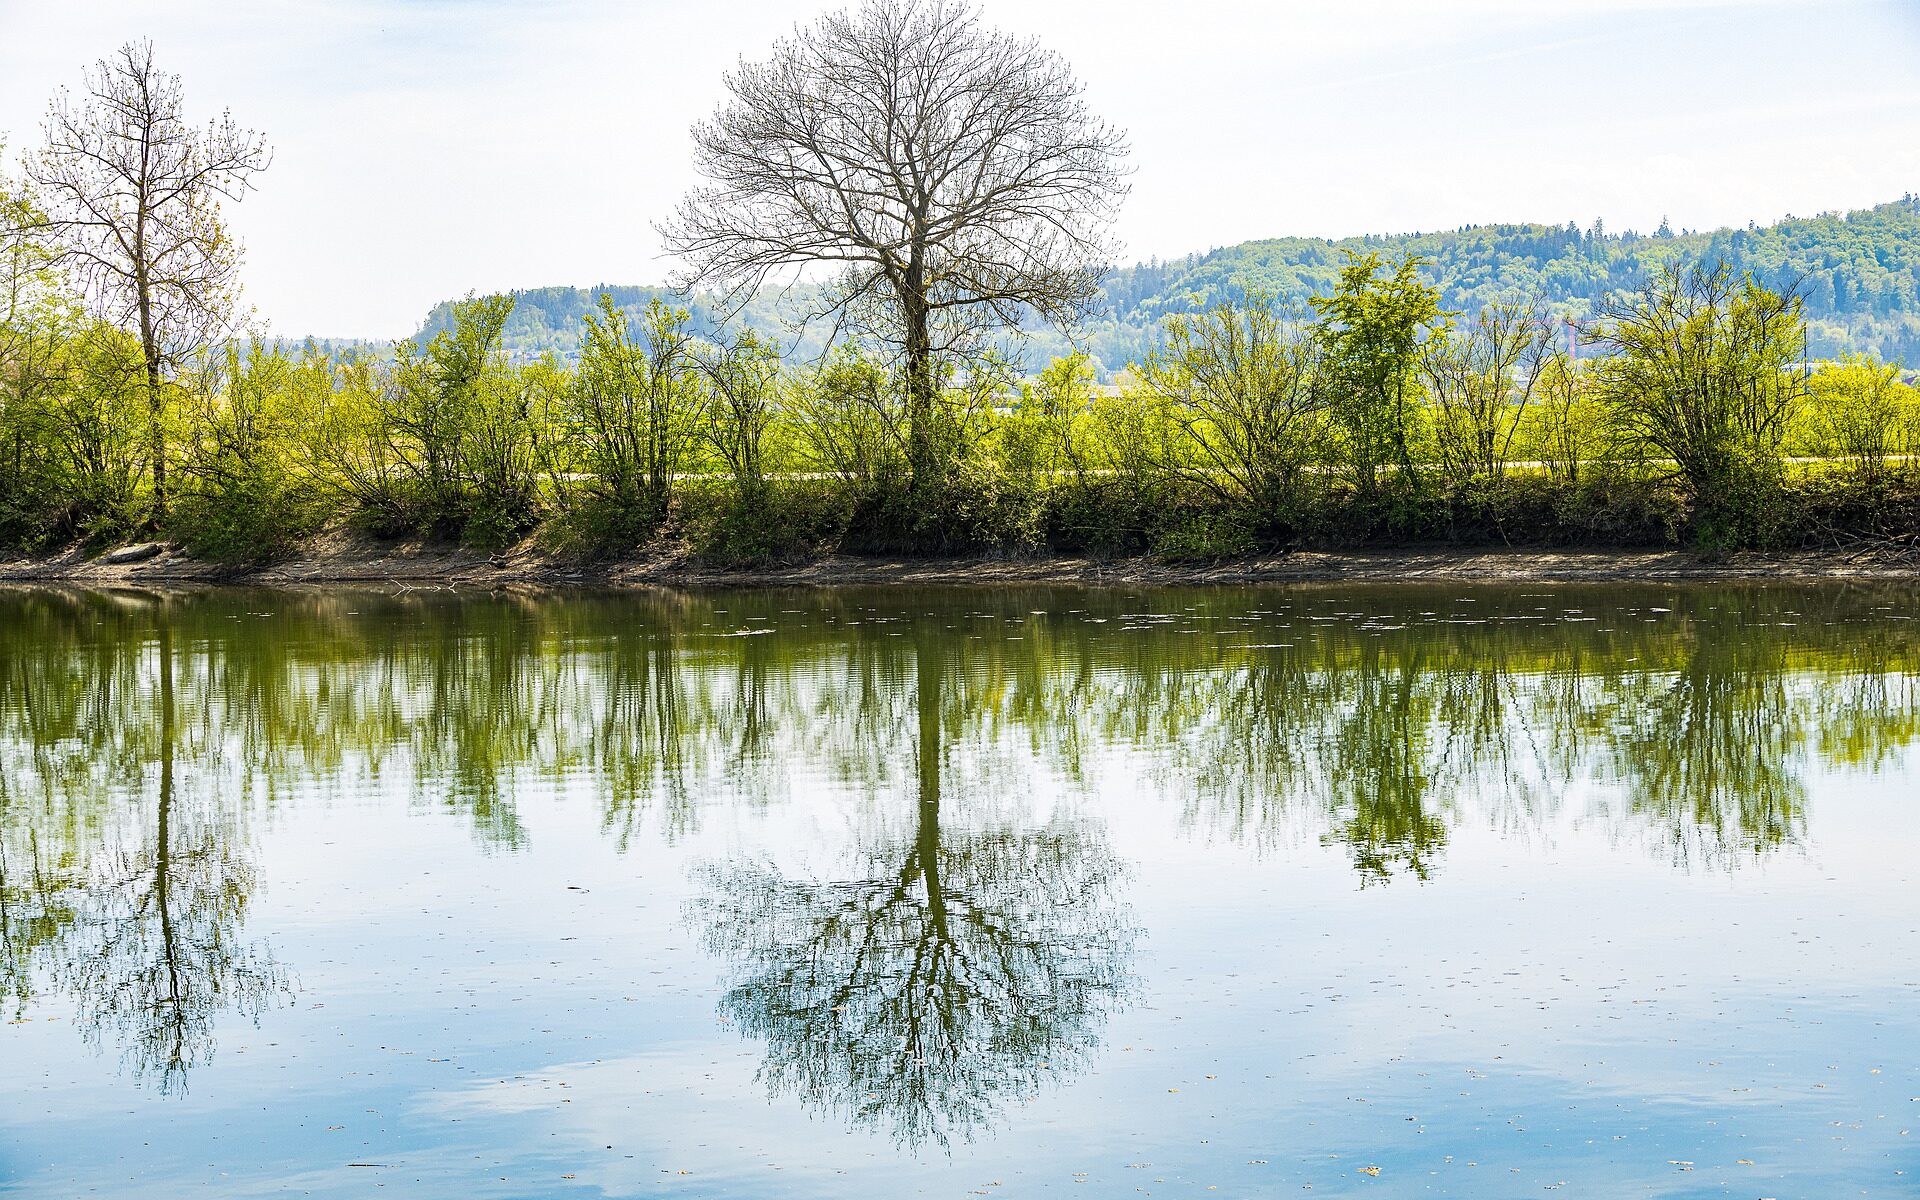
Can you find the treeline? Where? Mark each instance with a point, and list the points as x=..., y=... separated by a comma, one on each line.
x=1372, y=414
x=548, y=320
x=1359, y=401
x=1857, y=273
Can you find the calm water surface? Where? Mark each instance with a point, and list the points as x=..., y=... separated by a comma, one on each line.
x=1383, y=892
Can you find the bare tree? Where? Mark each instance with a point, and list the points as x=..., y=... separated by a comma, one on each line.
x=132, y=195
x=952, y=173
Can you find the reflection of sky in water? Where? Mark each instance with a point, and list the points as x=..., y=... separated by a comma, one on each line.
x=1561, y=1006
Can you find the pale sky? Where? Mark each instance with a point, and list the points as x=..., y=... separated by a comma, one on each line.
x=429, y=148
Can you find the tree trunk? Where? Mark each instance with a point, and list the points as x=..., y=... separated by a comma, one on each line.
x=927, y=829
x=659, y=431
x=171, y=1003
x=156, y=417
x=922, y=457
x=156, y=402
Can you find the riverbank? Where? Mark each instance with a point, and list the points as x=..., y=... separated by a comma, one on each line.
x=421, y=564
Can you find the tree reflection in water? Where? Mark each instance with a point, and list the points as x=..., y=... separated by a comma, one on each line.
x=133, y=896
x=954, y=969
x=964, y=949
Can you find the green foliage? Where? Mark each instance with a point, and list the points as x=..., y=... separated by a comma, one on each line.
x=1701, y=371
x=1040, y=437
x=744, y=392
x=1104, y=516
x=793, y=522
x=1480, y=380
x=503, y=451
x=1370, y=331
x=34, y=358
x=602, y=420
x=1241, y=387
x=1243, y=431
x=1861, y=412
x=355, y=457
x=1135, y=439
x=39, y=349
x=447, y=438
x=849, y=415
x=1204, y=536
x=97, y=442
x=1564, y=428
x=247, y=497
x=440, y=391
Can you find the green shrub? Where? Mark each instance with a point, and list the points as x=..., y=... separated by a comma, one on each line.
x=594, y=526
x=250, y=523
x=1830, y=509
x=1104, y=515
x=1203, y=535
x=779, y=524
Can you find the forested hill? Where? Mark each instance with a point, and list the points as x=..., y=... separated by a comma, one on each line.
x=1859, y=272
x=549, y=319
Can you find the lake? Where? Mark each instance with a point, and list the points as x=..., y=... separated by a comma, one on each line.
x=1388, y=891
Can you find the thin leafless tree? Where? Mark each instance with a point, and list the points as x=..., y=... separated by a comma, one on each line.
x=951, y=173
x=132, y=196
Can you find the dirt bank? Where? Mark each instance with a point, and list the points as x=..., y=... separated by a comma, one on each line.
x=405, y=565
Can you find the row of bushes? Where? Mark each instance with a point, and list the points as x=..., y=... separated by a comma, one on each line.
x=1380, y=419
x=800, y=520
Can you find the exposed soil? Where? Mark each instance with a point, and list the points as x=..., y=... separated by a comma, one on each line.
x=407, y=565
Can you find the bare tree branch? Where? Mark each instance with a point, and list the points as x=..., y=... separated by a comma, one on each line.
x=132, y=196
x=951, y=172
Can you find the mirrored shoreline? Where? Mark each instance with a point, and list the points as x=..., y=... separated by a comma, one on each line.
x=956, y=946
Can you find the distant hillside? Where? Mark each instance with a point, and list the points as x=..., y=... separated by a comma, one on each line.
x=549, y=319
x=1859, y=272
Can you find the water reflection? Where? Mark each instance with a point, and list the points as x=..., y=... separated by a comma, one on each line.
x=951, y=969
x=970, y=932
x=125, y=877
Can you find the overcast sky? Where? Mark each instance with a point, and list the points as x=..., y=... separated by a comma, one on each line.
x=428, y=148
